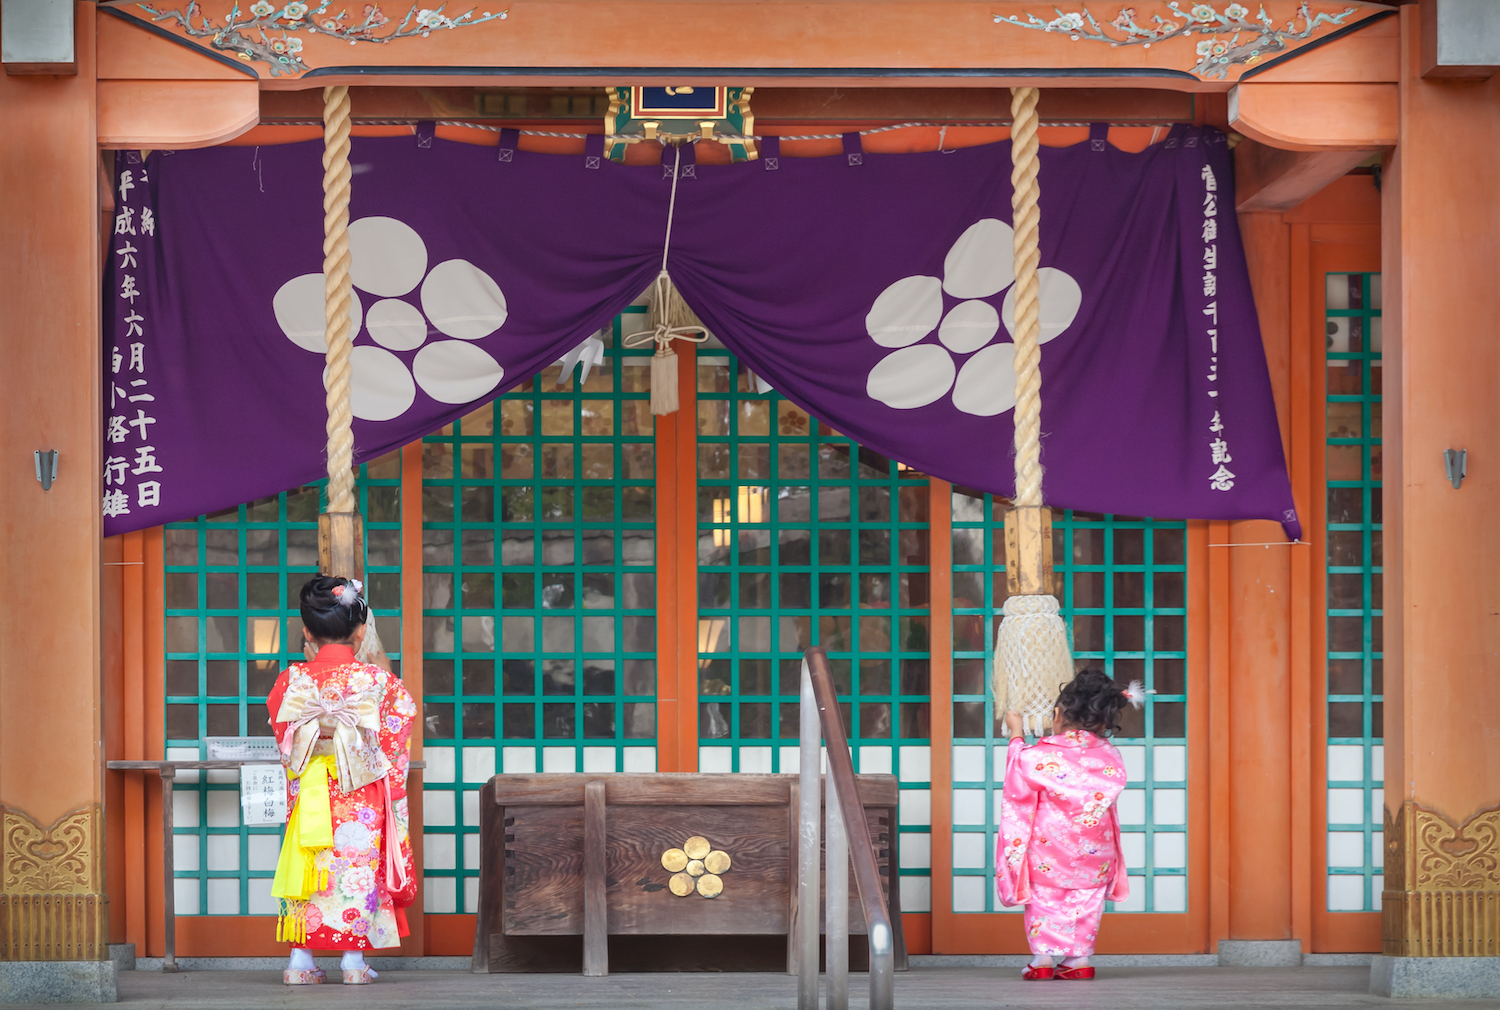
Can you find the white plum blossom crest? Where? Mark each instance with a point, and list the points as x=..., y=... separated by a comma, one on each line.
x=1234, y=38
x=960, y=310
x=264, y=33
x=454, y=299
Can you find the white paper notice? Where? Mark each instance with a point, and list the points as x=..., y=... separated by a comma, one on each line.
x=263, y=794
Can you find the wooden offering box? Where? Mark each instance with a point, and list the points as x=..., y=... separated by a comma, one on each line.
x=572, y=872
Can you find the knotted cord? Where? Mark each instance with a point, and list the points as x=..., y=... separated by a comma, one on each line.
x=667, y=306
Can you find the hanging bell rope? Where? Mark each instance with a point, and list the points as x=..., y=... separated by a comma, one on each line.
x=671, y=319
x=338, y=294
x=340, y=528
x=1032, y=658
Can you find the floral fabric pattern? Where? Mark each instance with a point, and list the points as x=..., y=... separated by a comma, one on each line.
x=1063, y=921
x=356, y=910
x=1058, y=851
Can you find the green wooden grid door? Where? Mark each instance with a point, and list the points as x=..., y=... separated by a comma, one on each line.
x=1356, y=801
x=805, y=538
x=538, y=597
x=232, y=586
x=1122, y=583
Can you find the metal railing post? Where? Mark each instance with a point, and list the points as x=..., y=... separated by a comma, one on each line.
x=808, y=846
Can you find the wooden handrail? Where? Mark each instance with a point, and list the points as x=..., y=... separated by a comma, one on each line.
x=861, y=848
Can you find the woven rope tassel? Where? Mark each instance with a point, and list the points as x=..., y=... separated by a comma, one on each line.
x=338, y=295
x=1032, y=659
x=1032, y=650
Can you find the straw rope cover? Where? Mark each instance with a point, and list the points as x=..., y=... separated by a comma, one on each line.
x=1032, y=657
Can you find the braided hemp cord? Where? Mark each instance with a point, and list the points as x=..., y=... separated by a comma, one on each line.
x=1027, y=218
x=1032, y=659
x=338, y=293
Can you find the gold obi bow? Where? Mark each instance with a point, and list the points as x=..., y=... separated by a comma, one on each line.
x=354, y=719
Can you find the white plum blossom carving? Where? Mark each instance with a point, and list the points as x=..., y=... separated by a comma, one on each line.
x=1240, y=40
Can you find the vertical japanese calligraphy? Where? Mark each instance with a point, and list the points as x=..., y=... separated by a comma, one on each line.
x=1218, y=448
x=132, y=474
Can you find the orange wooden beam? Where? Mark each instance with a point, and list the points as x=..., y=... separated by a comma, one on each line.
x=784, y=43
x=172, y=115
x=1271, y=179
x=1316, y=117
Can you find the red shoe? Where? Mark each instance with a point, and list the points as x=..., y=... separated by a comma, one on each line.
x=1086, y=973
x=1036, y=973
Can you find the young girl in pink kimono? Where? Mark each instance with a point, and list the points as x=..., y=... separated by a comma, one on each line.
x=1058, y=852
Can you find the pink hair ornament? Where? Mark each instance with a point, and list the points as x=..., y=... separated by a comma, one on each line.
x=348, y=594
x=1135, y=693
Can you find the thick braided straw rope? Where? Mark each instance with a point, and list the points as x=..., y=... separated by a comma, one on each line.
x=338, y=293
x=1032, y=660
x=1026, y=216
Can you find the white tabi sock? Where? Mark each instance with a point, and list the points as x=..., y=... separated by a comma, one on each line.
x=352, y=959
x=301, y=960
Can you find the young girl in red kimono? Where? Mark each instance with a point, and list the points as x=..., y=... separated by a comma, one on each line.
x=346, y=874
x=1058, y=852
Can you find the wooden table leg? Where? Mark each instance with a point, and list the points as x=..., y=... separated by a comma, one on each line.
x=595, y=916
x=794, y=808
x=169, y=872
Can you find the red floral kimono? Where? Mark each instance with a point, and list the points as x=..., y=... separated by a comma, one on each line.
x=346, y=872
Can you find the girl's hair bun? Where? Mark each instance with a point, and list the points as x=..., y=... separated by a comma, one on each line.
x=333, y=607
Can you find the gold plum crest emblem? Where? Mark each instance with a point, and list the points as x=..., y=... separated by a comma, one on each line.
x=697, y=866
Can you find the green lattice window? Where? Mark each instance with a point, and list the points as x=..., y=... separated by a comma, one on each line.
x=805, y=538
x=1356, y=798
x=1123, y=586
x=232, y=586
x=538, y=596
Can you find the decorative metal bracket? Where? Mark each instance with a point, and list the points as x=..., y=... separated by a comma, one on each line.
x=46, y=467
x=1456, y=465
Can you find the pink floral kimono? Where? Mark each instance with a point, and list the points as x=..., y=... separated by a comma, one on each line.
x=346, y=874
x=1059, y=847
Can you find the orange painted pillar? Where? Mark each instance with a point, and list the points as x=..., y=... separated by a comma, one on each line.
x=1255, y=838
x=1441, y=550
x=52, y=896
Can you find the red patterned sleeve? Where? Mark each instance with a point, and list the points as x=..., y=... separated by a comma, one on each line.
x=397, y=713
x=273, y=705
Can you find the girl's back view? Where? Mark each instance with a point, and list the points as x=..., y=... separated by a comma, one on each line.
x=1058, y=852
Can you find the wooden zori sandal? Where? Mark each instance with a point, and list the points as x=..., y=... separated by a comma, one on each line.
x=1077, y=974
x=304, y=976
x=1037, y=973
x=360, y=976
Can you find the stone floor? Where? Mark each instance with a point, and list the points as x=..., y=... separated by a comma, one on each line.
x=967, y=988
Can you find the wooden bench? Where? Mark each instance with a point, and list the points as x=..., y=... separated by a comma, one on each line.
x=572, y=872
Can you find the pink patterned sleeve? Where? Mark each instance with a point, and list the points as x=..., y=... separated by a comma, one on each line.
x=1119, y=885
x=1018, y=813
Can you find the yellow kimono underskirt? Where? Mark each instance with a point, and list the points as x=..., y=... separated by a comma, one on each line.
x=309, y=830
